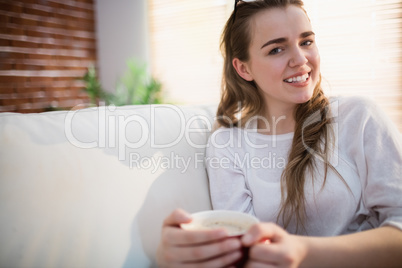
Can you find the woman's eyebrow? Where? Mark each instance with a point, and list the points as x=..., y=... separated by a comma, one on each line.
x=306, y=34
x=283, y=39
x=274, y=41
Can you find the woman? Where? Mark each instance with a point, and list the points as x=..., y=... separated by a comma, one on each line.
x=324, y=174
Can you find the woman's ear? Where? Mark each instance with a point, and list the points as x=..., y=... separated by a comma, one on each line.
x=242, y=69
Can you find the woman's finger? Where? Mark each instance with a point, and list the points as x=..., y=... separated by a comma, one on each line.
x=177, y=217
x=179, y=237
x=266, y=253
x=262, y=232
x=227, y=260
x=257, y=264
x=287, y=252
x=203, y=252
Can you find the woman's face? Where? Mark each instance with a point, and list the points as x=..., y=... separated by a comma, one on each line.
x=284, y=60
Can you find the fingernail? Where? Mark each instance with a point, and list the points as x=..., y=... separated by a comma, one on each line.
x=247, y=239
x=186, y=216
x=265, y=241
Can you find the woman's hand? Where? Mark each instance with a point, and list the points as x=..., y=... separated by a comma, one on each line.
x=206, y=248
x=272, y=246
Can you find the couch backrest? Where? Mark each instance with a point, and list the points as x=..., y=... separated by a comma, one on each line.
x=91, y=187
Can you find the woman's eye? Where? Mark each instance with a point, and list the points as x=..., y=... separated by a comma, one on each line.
x=275, y=51
x=307, y=43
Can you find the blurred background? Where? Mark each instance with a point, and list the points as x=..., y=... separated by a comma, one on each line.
x=64, y=54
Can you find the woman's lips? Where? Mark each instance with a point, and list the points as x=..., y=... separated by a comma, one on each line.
x=298, y=78
x=299, y=81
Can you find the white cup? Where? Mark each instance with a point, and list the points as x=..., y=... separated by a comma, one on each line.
x=235, y=223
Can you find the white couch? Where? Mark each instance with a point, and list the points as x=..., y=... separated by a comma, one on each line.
x=91, y=187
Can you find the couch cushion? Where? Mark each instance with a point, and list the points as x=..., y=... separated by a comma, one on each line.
x=90, y=188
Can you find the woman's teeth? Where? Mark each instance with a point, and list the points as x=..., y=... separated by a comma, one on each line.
x=297, y=79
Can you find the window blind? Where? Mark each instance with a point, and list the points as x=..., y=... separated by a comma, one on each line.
x=360, y=43
x=185, y=48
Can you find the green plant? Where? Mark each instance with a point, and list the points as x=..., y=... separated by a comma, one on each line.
x=93, y=87
x=137, y=87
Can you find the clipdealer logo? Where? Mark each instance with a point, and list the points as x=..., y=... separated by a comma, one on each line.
x=129, y=131
x=113, y=129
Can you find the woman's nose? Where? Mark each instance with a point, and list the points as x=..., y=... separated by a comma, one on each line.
x=298, y=58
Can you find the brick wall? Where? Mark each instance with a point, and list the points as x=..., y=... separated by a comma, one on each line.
x=45, y=49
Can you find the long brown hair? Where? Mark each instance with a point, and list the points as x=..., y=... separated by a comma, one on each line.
x=308, y=137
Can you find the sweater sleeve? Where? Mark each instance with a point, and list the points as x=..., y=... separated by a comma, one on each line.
x=228, y=186
x=380, y=166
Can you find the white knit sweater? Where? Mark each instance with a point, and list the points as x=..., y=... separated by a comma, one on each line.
x=245, y=167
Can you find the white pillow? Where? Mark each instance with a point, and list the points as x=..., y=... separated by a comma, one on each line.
x=101, y=206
